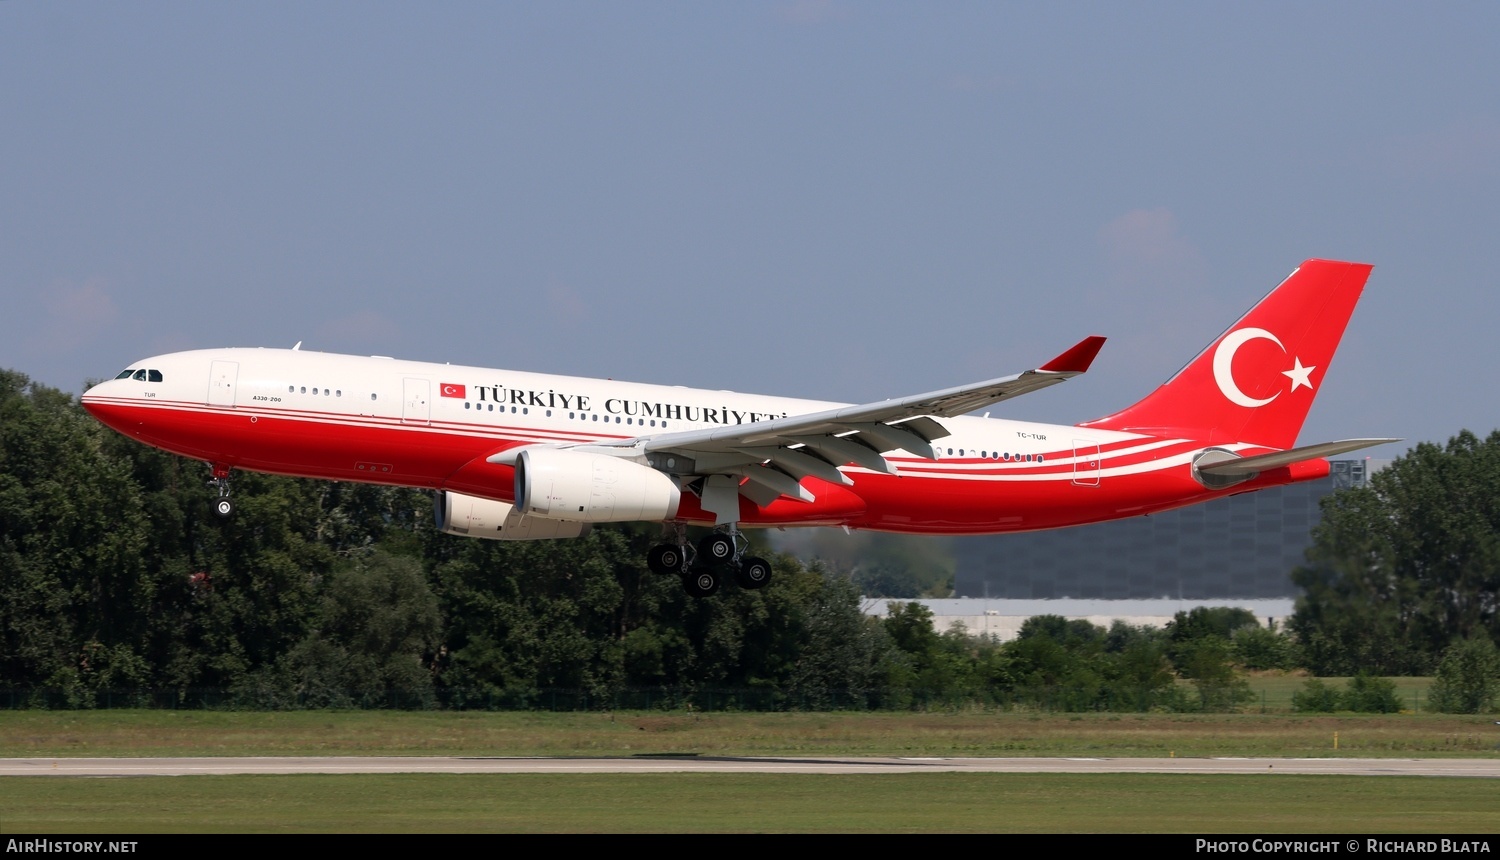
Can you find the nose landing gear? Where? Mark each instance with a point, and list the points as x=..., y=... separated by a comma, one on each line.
x=223, y=506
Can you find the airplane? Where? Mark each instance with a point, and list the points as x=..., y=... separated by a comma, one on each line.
x=514, y=455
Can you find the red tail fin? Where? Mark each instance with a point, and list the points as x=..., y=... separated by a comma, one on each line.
x=1256, y=381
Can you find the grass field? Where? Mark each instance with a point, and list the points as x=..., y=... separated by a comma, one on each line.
x=967, y=733
x=1273, y=691
x=689, y=803
x=746, y=803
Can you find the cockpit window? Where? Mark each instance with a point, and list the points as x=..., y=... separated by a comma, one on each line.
x=125, y=374
x=140, y=375
x=153, y=375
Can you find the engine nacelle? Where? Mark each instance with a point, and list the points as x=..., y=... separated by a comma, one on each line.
x=469, y=516
x=591, y=488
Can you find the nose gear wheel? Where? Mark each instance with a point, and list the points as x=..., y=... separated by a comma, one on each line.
x=223, y=505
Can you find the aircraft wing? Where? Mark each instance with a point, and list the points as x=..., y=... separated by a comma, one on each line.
x=775, y=455
x=901, y=423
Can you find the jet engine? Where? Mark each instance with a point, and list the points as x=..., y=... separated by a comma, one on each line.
x=580, y=487
x=469, y=516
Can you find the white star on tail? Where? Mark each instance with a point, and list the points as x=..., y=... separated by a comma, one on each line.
x=1299, y=375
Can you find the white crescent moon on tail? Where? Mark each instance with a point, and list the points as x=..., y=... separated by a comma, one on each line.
x=1224, y=360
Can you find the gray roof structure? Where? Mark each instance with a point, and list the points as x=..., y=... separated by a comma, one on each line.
x=1243, y=546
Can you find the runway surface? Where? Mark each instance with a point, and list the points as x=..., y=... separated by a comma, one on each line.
x=108, y=767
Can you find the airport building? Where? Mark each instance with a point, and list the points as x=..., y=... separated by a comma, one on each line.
x=1002, y=619
x=1240, y=547
x=1237, y=551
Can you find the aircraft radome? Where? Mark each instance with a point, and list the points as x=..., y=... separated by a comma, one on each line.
x=524, y=456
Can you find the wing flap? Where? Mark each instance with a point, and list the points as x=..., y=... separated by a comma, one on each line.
x=799, y=464
x=894, y=437
x=846, y=449
x=782, y=483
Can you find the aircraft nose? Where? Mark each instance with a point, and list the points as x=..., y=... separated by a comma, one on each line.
x=93, y=394
x=97, y=398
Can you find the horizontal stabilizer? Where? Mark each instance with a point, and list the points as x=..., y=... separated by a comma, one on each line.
x=1261, y=462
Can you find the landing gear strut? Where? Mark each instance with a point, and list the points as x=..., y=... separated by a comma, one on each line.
x=703, y=568
x=223, y=506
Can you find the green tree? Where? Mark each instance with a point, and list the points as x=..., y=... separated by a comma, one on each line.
x=525, y=617
x=1468, y=677
x=1200, y=647
x=1371, y=694
x=1405, y=566
x=1260, y=648
x=374, y=637
x=1208, y=662
x=1201, y=621
x=924, y=670
x=1139, y=674
x=76, y=604
x=844, y=657
x=927, y=668
x=1059, y=664
x=1317, y=696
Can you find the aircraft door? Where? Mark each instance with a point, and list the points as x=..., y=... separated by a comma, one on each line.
x=415, y=407
x=222, y=377
x=1085, y=463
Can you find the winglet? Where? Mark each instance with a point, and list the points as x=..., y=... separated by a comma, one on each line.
x=1078, y=358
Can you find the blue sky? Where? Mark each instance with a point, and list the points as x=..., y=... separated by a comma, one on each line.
x=845, y=201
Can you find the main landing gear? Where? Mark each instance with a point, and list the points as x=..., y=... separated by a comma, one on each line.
x=704, y=567
x=223, y=506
